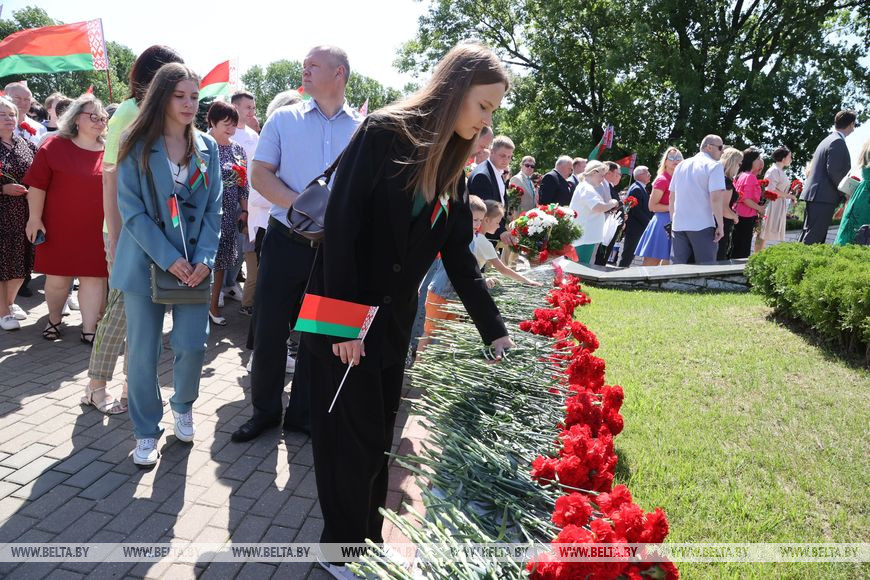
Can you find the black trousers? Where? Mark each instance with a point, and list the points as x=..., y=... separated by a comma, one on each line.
x=725, y=243
x=285, y=265
x=633, y=232
x=817, y=221
x=741, y=238
x=350, y=444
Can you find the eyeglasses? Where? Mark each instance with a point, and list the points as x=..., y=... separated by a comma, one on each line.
x=529, y=165
x=96, y=118
x=675, y=157
x=719, y=147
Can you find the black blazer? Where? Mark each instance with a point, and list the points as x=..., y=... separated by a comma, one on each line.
x=831, y=163
x=482, y=183
x=640, y=215
x=376, y=253
x=554, y=189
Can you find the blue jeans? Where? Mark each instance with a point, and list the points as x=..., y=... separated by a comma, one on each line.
x=144, y=342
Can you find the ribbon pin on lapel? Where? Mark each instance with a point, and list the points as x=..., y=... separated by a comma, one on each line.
x=442, y=207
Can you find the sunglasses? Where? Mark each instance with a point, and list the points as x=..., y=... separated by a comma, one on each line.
x=529, y=165
x=675, y=157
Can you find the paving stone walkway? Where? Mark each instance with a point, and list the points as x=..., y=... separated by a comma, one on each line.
x=66, y=474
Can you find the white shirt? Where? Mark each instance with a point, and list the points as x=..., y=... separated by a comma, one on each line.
x=501, y=184
x=584, y=199
x=258, y=206
x=40, y=131
x=693, y=181
x=483, y=250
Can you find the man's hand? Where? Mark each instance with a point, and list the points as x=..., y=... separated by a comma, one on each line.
x=200, y=273
x=500, y=346
x=349, y=352
x=181, y=269
x=253, y=123
x=507, y=239
x=14, y=190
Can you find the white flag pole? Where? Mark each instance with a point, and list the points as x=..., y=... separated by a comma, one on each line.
x=363, y=332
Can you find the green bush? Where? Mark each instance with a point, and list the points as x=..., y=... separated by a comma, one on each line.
x=827, y=287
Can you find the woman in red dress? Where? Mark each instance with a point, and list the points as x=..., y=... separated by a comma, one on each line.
x=66, y=206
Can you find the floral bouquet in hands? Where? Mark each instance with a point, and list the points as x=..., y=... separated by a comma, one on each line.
x=545, y=232
x=513, y=199
x=630, y=203
x=763, y=183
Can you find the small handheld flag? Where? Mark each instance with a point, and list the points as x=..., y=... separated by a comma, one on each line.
x=173, y=211
x=321, y=315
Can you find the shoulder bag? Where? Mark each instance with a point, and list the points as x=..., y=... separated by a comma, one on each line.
x=165, y=287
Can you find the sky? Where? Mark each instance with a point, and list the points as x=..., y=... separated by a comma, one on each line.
x=253, y=32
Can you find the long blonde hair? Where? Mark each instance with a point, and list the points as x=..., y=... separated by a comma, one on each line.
x=664, y=160
x=864, y=157
x=148, y=126
x=427, y=118
x=731, y=160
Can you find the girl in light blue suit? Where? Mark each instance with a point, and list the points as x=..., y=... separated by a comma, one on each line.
x=182, y=162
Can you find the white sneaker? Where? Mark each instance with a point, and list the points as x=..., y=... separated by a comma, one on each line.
x=184, y=427
x=72, y=302
x=146, y=452
x=234, y=293
x=9, y=322
x=340, y=572
x=221, y=299
x=18, y=312
x=291, y=365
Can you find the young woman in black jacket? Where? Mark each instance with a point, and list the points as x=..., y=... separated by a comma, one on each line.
x=397, y=201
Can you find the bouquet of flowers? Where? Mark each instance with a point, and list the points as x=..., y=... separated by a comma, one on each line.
x=630, y=203
x=27, y=128
x=763, y=183
x=546, y=231
x=796, y=188
x=241, y=174
x=513, y=197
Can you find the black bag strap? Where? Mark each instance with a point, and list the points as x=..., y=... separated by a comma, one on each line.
x=156, y=216
x=327, y=173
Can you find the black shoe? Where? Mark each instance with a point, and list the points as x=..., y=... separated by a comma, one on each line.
x=25, y=292
x=252, y=429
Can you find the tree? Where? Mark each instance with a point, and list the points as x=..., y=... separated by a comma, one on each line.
x=73, y=83
x=283, y=75
x=661, y=71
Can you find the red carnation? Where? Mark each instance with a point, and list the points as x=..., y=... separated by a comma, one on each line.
x=544, y=468
x=572, y=509
x=609, y=502
x=25, y=127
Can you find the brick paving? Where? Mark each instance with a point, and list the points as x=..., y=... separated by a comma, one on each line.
x=66, y=474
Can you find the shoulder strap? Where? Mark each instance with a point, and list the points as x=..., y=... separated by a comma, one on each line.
x=156, y=216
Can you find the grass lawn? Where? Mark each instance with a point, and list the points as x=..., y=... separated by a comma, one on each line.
x=742, y=430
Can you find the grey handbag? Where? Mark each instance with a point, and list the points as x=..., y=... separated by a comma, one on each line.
x=306, y=215
x=165, y=287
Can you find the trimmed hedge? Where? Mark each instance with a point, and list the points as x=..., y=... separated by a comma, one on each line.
x=827, y=287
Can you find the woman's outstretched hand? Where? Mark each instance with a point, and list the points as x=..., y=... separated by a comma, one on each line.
x=500, y=347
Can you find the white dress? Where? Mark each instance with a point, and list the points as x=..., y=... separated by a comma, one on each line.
x=773, y=228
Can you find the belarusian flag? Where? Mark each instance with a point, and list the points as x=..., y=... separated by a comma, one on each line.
x=626, y=164
x=322, y=315
x=218, y=82
x=605, y=143
x=301, y=91
x=364, y=110
x=52, y=49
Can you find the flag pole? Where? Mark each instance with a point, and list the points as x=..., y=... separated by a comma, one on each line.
x=335, y=398
x=109, y=82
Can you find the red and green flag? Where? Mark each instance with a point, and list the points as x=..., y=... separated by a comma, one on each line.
x=301, y=91
x=52, y=49
x=626, y=164
x=321, y=315
x=606, y=142
x=173, y=211
x=219, y=81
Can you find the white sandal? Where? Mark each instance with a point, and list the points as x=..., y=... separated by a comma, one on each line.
x=107, y=407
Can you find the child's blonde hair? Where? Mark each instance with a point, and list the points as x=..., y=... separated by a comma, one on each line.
x=476, y=204
x=493, y=208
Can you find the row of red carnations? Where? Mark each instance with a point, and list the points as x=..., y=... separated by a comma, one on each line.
x=593, y=511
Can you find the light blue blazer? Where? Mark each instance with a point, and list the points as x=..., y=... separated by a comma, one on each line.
x=142, y=241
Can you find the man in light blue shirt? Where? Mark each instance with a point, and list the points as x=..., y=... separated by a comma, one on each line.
x=297, y=144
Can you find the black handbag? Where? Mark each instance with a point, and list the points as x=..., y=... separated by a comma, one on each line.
x=306, y=215
x=165, y=287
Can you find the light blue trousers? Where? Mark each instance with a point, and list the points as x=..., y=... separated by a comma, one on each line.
x=144, y=343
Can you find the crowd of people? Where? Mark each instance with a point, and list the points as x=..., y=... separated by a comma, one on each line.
x=112, y=200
